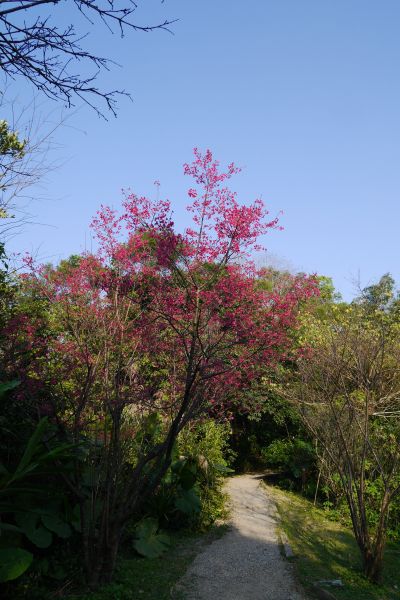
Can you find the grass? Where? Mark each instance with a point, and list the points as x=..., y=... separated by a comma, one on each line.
x=326, y=550
x=135, y=578
x=139, y=578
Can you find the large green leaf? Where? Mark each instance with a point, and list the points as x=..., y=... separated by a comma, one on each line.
x=35, y=533
x=54, y=523
x=61, y=451
x=13, y=562
x=9, y=385
x=149, y=542
x=41, y=537
x=31, y=448
x=188, y=476
x=186, y=472
x=27, y=521
x=9, y=527
x=188, y=502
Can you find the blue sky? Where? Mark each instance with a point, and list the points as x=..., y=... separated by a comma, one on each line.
x=303, y=94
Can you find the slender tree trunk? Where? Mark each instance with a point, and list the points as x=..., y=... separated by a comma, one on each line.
x=101, y=563
x=101, y=553
x=110, y=552
x=373, y=562
x=93, y=569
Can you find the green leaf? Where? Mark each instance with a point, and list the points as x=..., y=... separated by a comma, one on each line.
x=188, y=503
x=31, y=489
x=223, y=469
x=61, y=451
x=147, y=528
x=27, y=521
x=177, y=465
x=32, y=446
x=57, y=525
x=148, y=542
x=39, y=536
x=188, y=476
x=13, y=562
x=9, y=385
x=20, y=474
x=9, y=527
x=186, y=472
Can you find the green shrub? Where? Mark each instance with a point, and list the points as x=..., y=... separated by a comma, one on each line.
x=191, y=492
x=337, y=508
x=33, y=511
x=296, y=459
x=207, y=444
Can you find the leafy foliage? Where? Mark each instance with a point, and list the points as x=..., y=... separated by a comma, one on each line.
x=190, y=493
x=297, y=457
x=13, y=563
x=30, y=508
x=125, y=348
x=347, y=390
x=149, y=542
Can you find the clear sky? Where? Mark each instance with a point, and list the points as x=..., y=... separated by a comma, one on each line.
x=303, y=94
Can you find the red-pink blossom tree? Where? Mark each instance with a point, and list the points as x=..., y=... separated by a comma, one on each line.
x=153, y=322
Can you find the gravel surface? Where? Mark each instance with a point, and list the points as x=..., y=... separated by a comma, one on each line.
x=246, y=563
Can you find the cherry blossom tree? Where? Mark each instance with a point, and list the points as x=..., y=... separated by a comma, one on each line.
x=154, y=323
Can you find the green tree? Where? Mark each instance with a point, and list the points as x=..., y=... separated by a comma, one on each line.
x=12, y=151
x=347, y=390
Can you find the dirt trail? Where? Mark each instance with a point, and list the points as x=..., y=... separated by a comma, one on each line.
x=244, y=564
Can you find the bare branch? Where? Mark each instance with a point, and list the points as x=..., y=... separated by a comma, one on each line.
x=51, y=57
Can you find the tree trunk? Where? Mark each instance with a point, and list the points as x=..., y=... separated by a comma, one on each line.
x=373, y=563
x=110, y=552
x=101, y=553
x=101, y=565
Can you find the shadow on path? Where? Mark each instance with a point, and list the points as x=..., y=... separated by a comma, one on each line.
x=246, y=563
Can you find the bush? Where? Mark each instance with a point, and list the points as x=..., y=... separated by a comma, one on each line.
x=37, y=518
x=191, y=493
x=207, y=444
x=295, y=458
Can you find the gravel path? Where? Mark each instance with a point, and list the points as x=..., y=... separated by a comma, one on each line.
x=244, y=564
